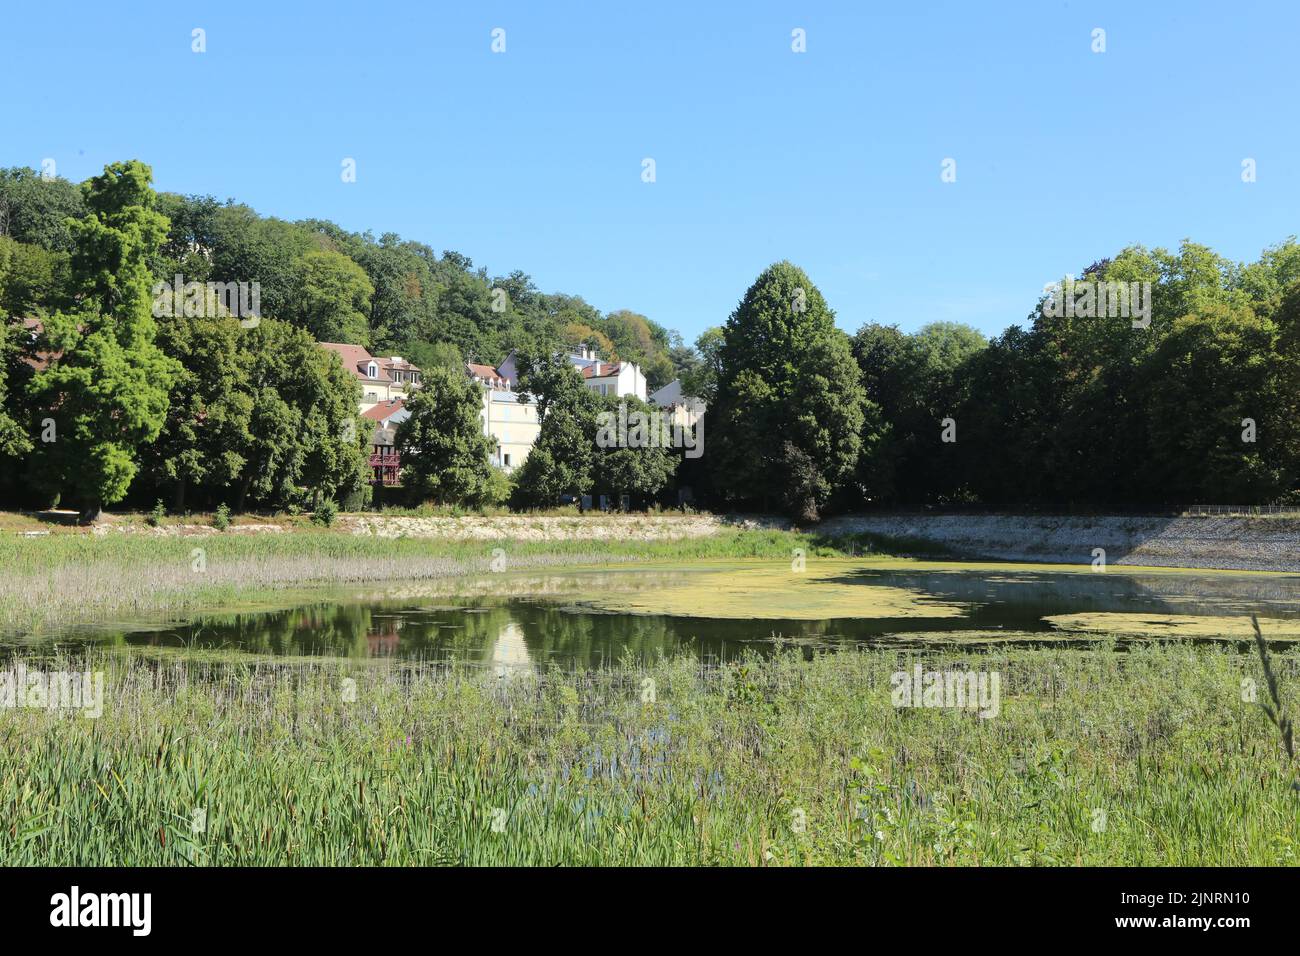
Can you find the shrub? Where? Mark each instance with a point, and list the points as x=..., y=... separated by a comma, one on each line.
x=325, y=513
x=497, y=490
x=156, y=516
x=221, y=520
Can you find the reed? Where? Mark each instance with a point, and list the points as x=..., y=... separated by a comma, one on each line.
x=1151, y=756
x=71, y=579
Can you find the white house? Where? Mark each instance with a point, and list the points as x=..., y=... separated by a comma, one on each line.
x=619, y=379
x=680, y=409
x=514, y=423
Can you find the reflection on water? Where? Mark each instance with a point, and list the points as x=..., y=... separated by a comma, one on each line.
x=510, y=652
x=511, y=634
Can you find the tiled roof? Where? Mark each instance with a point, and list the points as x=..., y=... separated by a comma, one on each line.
x=601, y=370
x=486, y=373
x=384, y=410
x=355, y=359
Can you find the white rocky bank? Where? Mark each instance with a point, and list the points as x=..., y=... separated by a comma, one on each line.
x=1265, y=543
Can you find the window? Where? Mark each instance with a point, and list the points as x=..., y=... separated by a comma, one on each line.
x=506, y=460
x=372, y=370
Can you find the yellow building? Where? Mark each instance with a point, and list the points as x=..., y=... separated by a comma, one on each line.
x=507, y=419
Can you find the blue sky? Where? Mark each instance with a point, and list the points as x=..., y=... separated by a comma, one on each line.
x=532, y=159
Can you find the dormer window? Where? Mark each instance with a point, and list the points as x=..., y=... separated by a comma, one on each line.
x=372, y=370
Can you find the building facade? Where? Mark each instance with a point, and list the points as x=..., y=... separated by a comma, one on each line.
x=513, y=422
x=510, y=420
x=382, y=378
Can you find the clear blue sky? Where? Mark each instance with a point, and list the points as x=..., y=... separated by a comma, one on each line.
x=531, y=159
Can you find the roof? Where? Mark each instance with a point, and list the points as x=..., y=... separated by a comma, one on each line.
x=355, y=359
x=601, y=370
x=397, y=362
x=384, y=410
x=486, y=373
x=668, y=395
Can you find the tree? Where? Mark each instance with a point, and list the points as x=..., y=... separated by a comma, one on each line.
x=244, y=247
x=637, y=339
x=36, y=210
x=14, y=441
x=935, y=364
x=701, y=380
x=632, y=457
x=445, y=455
x=209, y=410
x=335, y=300
x=108, y=391
x=305, y=442
x=31, y=278
x=787, y=419
x=562, y=459
x=1213, y=373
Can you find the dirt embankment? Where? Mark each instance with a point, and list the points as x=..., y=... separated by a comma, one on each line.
x=545, y=528
x=589, y=527
x=1263, y=543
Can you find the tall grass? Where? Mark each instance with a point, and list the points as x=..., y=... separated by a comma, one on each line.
x=70, y=579
x=1097, y=757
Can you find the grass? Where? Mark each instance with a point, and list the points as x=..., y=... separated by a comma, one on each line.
x=68, y=579
x=1149, y=757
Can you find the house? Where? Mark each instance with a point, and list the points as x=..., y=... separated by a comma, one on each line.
x=513, y=422
x=382, y=378
x=619, y=379
x=385, y=462
x=681, y=410
x=507, y=419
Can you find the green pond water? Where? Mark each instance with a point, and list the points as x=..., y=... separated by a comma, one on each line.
x=579, y=618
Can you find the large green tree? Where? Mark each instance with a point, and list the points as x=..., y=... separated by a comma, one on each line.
x=563, y=458
x=786, y=424
x=334, y=304
x=445, y=455
x=14, y=441
x=210, y=408
x=305, y=442
x=107, y=392
x=633, y=455
x=36, y=209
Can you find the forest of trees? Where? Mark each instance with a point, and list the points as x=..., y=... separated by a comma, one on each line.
x=252, y=417
x=1063, y=411
x=1197, y=406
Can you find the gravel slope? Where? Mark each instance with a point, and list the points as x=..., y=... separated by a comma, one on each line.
x=1266, y=543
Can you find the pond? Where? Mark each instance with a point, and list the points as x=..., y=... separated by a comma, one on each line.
x=585, y=618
